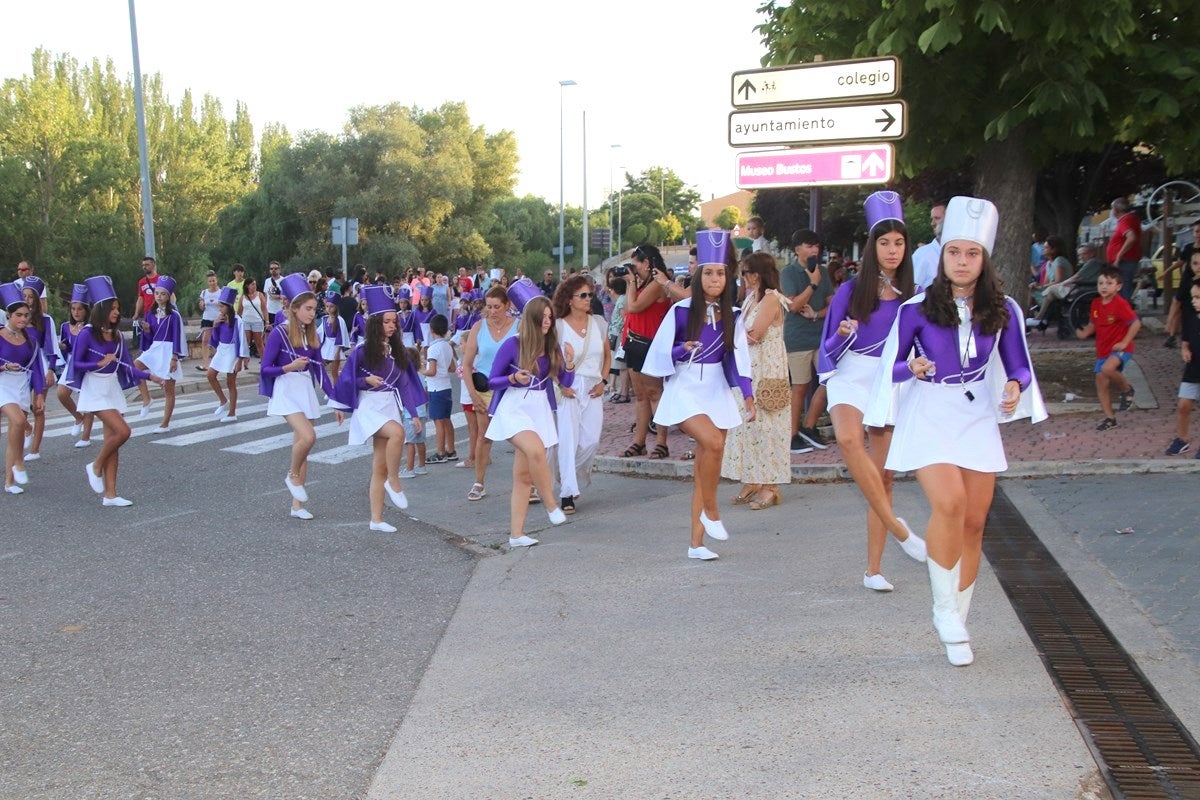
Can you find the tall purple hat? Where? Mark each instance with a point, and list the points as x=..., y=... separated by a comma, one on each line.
x=881, y=206
x=79, y=294
x=712, y=247
x=404, y=292
x=34, y=282
x=294, y=285
x=331, y=297
x=166, y=283
x=10, y=295
x=228, y=296
x=100, y=288
x=379, y=299
x=521, y=292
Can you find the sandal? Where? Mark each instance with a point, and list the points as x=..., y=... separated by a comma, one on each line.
x=659, y=452
x=759, y=505
x=634, y=450
x=746, y=496
x=477, y=492
x=619, y=398
x=690, y=455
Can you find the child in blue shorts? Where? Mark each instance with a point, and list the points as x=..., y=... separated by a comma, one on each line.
x=439, y=365
x=414, y=432
x=1115, y=324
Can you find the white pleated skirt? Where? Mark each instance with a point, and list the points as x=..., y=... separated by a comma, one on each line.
x=375, y=409
x=294, y=393
x=937, y=424
x=225, y=359
x=330, y=350
x=14, y=388
x=101, y=391
x=697, y=389
x=522, y=409
x=851, y=384
x=157, y=360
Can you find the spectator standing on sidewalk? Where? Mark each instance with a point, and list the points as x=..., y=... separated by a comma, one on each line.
x=271, y=289
x=646, y=304
x=1189, y=388
x=806, y=286
x=1187, y=265
x=1125, y=247
x=927, y=258
x=1115, y=325
x=210, y=308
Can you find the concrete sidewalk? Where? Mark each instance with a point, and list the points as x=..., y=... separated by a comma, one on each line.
x=603, y=663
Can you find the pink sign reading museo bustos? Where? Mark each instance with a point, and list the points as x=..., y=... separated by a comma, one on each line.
x=816, y=166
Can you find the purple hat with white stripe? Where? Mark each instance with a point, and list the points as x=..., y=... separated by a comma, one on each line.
x=294, y=285
x=100, y=288
x=881, y=206
x=713, y=246
x=379, y=299
x=166, y=283
x=331, y=297
x=521, y=292
x=34, y=282
x=10, y=295
x=227, y=295
x=79, y=294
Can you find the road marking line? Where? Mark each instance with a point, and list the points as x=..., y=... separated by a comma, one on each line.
x=276, y=442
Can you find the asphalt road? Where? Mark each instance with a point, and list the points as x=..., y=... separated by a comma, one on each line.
x=203, y=644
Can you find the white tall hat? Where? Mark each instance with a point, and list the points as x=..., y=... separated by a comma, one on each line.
x=973, y=219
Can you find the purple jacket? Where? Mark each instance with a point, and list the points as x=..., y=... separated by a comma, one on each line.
x=404, y=384
x=506, y=364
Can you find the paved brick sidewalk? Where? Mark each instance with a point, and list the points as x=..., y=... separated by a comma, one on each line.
x=1069, y=435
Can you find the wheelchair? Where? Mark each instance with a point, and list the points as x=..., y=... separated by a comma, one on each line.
x=1072, y=312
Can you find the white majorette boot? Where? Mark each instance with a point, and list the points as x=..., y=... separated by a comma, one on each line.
x=946, y=621
x=964, y=602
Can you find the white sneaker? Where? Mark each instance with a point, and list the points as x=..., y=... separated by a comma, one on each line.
x=76, y=429
x=145, y=410
x=297, y=492
x=406, y=473
x=524, y=541
x=14, y=490
x=383, y=526
x=220, y=409
x=28, y=441
x=161, y=429
x=420, y=471
x=702, y=553
x=119, y=502
x=33, y=456
x=714, y=527
x=1032, y=322
x=20, y=476
x=914, y=545
x=877, y=582
x=229, y=419
x=94, y=480
x=301, y=513
x=557, y=516
x=398, y=498
x=84, y=443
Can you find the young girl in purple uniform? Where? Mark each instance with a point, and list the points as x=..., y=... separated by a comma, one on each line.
x=166, y=348
x=21, y=373
x=41, y=326
x=68, y=333
x=231, y=356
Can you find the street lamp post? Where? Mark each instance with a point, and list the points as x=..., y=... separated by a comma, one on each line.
x=140, y=114
x=562, y=209
x=586, y=243
x=611, y=147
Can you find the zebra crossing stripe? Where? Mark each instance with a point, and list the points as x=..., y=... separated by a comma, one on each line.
x=184, y=406
x=147, y=427
x=338, y=455
x=279, y=442
x=218, y=430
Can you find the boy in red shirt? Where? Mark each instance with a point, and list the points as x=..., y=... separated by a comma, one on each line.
x=1115, y=324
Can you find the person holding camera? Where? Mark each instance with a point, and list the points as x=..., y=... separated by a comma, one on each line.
x=807, y=287
x=646, y=305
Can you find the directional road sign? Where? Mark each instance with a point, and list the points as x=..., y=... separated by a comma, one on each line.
x=819, y=82
x=819, y=124
x=816, y=166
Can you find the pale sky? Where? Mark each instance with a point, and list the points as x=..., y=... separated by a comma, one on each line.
x=653, y=76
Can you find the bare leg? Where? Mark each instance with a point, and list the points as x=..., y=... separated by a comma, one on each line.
x=472, y=436
x=980, y=487
x=88, y=419
x=379, y=474
x=1183, y=418
x=710, y=447
x=303, y=439
x=536, y=467
x=116, y=433
x=518, y=504
x=169, y=407
x=946, y=491
x=39, y=428
x=216, y=386
x=231, y=383
x=867, y=469
x=815, y=407
x=66, y=401
x=205, y=335
x=14, y=451
x=483, y=446
x=799, y=392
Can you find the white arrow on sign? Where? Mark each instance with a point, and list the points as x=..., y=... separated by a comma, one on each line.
x=873, y=165
x=823, y=81
x=819, y=124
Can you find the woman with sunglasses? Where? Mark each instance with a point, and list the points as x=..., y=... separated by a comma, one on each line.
x=581, y=409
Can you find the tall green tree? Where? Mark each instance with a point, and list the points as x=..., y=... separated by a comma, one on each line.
x=1009, y=86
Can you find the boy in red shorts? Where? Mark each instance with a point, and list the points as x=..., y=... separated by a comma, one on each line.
x=1115, y=324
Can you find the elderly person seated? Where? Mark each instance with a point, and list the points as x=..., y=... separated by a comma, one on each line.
x=1055, y=293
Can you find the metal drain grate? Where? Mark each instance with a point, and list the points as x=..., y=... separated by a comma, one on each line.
x=1143, y=750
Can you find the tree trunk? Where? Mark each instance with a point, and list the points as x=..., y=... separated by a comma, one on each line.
x=1006, y=175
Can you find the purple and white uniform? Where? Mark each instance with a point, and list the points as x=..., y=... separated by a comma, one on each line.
x=420, y=324
x=165, y=342
x=292, y=392
x=334, y=337
x=531, y=407
x=15, y=384
x=230, y=345
x=953, y=416
x=701, y=381
x=847, y=364
x=102, y=388
x=372, y=407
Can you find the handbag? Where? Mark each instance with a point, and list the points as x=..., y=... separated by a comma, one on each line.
x=772, y=394
x=480, y=382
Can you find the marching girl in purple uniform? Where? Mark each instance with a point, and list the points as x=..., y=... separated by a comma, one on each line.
x=166, y=347
x=522, y=379
x=42, y=327
x=422, y=314
x=379, y=378
x=102, y=370
x=232, y=354
x=856, y=325
x=972, y=370
x=68, y=333
x=291, y=371
x=701, y=350
x=333, y=335
x=21, y=373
